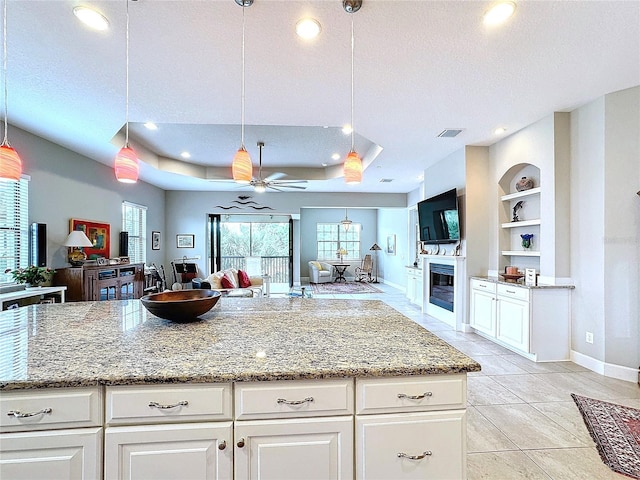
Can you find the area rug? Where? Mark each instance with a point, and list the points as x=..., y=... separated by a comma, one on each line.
x=344, y=287
x=616, y=431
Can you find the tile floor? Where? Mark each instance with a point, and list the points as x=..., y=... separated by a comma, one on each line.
x=522, y=422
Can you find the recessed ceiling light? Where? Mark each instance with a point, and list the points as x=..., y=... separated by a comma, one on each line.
x=325, y=164
x=308, y=28
x=151, y=126
x=421, y=176
x=499, y=131
x=335, y=156
x=91, y=18
x=499, y=13
x=347, y=129
x=185, y=155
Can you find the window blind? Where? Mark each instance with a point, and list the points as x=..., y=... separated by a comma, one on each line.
x=14, y=226
x=331, y=237
x=134, y=222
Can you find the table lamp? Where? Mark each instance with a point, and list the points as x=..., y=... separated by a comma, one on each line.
x=75, y=241
x=375, y=247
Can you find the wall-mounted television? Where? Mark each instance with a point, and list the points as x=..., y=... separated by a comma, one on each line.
x=438, y=218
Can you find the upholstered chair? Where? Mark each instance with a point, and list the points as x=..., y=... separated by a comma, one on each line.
x=320, y=272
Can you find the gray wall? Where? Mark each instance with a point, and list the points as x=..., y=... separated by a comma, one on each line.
x=67, y=185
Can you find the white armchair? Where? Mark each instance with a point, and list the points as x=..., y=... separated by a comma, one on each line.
x=320, y=272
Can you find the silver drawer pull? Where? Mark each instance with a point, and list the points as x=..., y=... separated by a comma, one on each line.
x=426, y=453
x=19, y=414
x=415, y=397
x=510, y=291
x=295, y=402
x=183, y=403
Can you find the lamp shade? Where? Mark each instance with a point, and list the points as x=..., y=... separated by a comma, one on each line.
x=10, y=163
x=353, y=168
x=241, y=167
x=77, y=238
x=375, y=246
x=126, y=165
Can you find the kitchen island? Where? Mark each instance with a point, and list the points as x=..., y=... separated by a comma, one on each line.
x=338, y=388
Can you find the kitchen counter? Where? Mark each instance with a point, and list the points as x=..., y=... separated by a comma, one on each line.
x=520, y=283
x=120, y=343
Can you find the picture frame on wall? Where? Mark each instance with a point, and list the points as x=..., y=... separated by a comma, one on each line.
x=185, y=240
x=391, y=244
x=155, y=240
x=99, y=235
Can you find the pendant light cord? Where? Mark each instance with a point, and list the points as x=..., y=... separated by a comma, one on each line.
x=353, y=129
x=242, y=87
x=5, y=141
x=126, y=114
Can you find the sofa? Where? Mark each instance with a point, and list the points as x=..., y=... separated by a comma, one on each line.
x=234, y=283
x=320, y=272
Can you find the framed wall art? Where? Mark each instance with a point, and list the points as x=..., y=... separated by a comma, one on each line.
x=185, y=240
x=155, y=240
x=391, y=244
x=99, y=235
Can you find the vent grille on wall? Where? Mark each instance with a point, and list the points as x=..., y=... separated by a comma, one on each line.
x=386, y=180
x=450, y=132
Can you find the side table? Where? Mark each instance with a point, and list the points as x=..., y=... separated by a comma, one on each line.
x=340, y=269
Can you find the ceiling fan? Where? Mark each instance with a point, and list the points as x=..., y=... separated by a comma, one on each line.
x=272, y=181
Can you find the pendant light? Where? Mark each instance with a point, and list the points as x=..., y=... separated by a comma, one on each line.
x=353, y=163
x=241, y=167
x=10, y=163
x=126, y=165
x=346, y=223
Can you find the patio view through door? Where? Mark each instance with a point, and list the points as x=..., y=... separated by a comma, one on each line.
x=232, y=238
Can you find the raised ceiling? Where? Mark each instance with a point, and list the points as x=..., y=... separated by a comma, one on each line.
x=420, y=67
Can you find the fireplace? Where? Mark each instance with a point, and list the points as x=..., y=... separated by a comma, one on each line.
x=441, y=285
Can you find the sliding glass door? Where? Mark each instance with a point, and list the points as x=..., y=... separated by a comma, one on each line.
x=233, y=238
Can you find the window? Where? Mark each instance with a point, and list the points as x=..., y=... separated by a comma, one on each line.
x=14, y=226
x=134, y=222
x=331, y=238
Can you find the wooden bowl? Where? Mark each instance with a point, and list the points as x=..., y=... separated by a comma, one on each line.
x=181, y=305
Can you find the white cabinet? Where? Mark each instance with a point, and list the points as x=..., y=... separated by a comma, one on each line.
x=309, y=448
x=197, y=451
x=411, y=427
x=411, y=446
x=483, y=306
x=415, y=285
x=531, y=321
x=51, y=433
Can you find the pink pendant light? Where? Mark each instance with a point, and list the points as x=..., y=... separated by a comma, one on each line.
x=241, y=167
x=10, y=163
x=352, y=164
x=126, y=164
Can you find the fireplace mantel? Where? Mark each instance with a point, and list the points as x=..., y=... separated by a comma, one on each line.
x=456, y=319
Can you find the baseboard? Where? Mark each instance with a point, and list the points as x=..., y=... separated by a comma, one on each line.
x=402, y=288
x=607, y=369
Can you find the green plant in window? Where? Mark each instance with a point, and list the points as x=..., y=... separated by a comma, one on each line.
x=32, y=275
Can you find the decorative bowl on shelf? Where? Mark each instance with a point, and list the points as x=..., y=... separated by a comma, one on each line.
x=511, y=277
x=181, y=305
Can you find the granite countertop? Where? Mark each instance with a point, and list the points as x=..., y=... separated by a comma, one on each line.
x=520, y=283
x=120, y=343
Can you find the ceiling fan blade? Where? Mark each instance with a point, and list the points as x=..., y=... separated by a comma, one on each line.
x=274, y=188
x=274, y=176
x=289, y=186
x=284, y=182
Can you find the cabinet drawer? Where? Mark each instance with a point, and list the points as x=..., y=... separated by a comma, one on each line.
x=518, y=293
x=50, y=409
x=162, y=404
x=483, y=285
x=435, y=440
x=410, y=394
x=296, y=398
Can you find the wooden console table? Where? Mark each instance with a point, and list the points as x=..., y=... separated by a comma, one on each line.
x=104, y=282
x=9, y=297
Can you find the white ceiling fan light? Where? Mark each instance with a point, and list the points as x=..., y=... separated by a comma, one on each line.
x=499, y=13
x=308, y=28
x=260, y=184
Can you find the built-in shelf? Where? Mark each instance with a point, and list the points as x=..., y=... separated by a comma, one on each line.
x=520, y=253
x=522, y=223
x=525, y=193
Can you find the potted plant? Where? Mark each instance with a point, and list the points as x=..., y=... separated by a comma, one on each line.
x=31, y=276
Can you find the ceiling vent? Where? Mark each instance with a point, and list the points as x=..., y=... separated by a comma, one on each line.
x=450, y=132
x=386, y=180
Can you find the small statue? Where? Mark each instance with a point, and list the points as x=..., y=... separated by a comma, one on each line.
x=517, y=207
x=526, y=240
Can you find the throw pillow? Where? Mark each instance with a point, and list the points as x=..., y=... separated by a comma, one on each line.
x=318, y=265
x=215, y=279
x=226, y=282
x=232, y=273
x=243, y=279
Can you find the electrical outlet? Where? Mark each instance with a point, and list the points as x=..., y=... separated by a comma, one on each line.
x=589, y=338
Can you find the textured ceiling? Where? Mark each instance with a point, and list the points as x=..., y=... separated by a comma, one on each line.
x=420, y=67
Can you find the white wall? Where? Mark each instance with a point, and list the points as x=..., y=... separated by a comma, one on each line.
x=392, y=221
